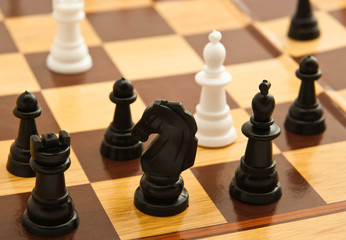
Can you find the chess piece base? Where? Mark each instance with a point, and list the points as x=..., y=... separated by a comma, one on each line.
x=161, y=208
x=120, y=153
x=50, y=231
x=304, y=29
x=255, y=198
x=19, y=168
x=217, y=141
x=303, y=127
x=80, y=66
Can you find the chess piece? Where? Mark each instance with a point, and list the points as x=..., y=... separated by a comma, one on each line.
x=305, y=116
x=256, y=179
x=69, y=54
x=304, y=24
x=27, y=110
x=50, y=211
x=118, y=143
x=161, y=191
x=215, y=124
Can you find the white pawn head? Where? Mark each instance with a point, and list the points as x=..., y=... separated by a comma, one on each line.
x=214, y=53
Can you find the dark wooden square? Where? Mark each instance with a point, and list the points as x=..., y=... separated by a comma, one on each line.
x=6, y=42
x=94, y=222
x=180, y=88
x=15, y=8
x=103, y=69
x=242, y=45
x=297, y=194
x=129, y=24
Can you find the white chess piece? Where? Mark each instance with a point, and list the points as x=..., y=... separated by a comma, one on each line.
x=69, y=54
x=215, y=124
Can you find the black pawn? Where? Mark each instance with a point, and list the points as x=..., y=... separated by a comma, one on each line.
x=256, y=180
x=305, y=116
x=304, y=24
x=26, y=110
x=118, y=143
x=50, y=211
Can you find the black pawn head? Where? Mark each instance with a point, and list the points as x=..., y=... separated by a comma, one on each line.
x=27, y=102
x=263, y=104
x=123, y=88
x=308, y=65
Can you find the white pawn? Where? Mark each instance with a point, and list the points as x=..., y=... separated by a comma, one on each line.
x=215, y=124
x=69, y=54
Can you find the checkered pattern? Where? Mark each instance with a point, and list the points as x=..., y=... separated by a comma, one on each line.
x=158, y=45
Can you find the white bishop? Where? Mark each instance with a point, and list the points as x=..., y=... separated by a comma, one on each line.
x=69, y=54
x=215, y=124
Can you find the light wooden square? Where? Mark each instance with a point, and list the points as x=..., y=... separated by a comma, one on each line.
x=116, y=197
x=333, y=35
x=206, y=15
x=85, y=107
x=321, y=166
x=330, y=226
x=329, y=4
x=16, y=75
x=36, y=33
x=154, y=57
x=11, y=184
x=247, y=77
x=106, y=5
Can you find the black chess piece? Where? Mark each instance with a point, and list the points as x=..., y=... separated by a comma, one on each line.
x=305, y=116
x=50, y=211
x=161, y=191
x=27, y=109
x=256, y=180
x=304, y=24
x=118, y=143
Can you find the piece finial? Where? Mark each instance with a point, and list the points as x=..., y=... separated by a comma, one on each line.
x=263, y=105
x=215, y=36
x=214, y=54
x=264, y=87
x=308, y=65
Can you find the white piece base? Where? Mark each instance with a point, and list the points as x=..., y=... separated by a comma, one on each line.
x=69, y=67
x=217, y=141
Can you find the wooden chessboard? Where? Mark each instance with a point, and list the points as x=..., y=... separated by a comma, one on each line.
x=158, y=46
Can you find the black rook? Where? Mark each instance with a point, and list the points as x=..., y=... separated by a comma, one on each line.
x=50, y=211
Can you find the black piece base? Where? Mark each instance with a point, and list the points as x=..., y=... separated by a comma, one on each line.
x=304, y=29
x=19, y=169
x=161, y=208
x=303, y=127
x=121, y=153
x=50, y=231
x=255, y=198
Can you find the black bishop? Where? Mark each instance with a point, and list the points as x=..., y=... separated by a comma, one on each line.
x=256, y=180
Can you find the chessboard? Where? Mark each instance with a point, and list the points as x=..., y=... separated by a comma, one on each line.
x=158, y=46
